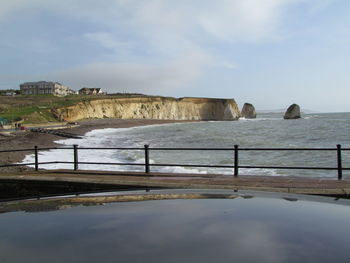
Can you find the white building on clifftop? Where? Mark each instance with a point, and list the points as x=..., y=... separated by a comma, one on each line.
x=44, y=87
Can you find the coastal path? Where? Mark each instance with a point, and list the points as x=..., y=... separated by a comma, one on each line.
x=140, y=180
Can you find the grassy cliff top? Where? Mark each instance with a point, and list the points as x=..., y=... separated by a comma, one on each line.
x=37, y=108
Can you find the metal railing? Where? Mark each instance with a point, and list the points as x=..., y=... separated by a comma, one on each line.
x=147, y=165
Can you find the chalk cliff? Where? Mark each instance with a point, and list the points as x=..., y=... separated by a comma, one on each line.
x=151, y=108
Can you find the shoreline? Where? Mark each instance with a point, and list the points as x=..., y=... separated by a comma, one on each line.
x=27, y=140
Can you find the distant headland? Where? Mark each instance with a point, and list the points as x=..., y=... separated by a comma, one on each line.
x=48, y=101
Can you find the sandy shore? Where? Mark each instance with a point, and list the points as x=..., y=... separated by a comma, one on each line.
x=27, y=140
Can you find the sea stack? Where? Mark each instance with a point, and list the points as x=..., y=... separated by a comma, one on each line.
x=293, y=112
x=248, y=111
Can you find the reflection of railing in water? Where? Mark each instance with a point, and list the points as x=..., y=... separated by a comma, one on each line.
x=146, y=149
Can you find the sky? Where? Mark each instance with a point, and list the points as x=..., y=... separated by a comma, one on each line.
x=270, y=53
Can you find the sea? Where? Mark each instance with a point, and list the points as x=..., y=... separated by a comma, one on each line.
x=268, y=130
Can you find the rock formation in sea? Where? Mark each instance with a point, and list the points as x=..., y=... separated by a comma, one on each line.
x=293, y=112
x=161, y=108
x=248, y=111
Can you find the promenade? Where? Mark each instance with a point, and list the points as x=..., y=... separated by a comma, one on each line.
x=284, y=184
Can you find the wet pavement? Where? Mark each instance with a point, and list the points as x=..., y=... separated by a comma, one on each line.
x=286, y=184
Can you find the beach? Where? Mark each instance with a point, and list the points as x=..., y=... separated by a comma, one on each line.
x=27, y=140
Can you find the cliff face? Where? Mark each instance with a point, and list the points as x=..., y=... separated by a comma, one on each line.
x=248, y=111
x=152, y=108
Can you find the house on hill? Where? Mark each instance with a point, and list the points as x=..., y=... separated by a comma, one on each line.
x=91, y=91
x=44, y=87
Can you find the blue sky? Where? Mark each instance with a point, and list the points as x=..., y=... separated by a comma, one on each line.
x=271, y=53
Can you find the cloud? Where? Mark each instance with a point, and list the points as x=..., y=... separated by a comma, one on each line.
x=232, y=20
x=119, y=47
x=225, y=64
x=247, y=21
x=134, y=77
x=7, y=8
x=153, y=44
x=196, y=21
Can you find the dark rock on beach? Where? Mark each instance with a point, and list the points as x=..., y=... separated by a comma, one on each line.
x=248, y=111
x=293, y=112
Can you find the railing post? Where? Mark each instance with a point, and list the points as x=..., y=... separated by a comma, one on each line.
x=146, y=158
x=36, y=158
x=75, y=148
x=339, y=161
x=236, y=161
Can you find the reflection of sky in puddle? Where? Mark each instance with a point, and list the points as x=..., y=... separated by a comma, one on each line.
x=238, y=230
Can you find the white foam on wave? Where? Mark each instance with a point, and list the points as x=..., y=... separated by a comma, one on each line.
x=104, y=156
x=98, y=138
x=66, y=155
x=102, y=138
x=180, y=170
x=259, y=171
x=242, y=119
x=151, y=126
x=311, y=117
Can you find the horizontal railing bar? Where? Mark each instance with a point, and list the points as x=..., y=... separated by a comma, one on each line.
x=32, y=149
x=209, y=166
x=185, y=165
x=54, y=148
x=49, y=162
x=249, y=149
x=201, y=149
x=288, y=149
x=192, y=165
x=180, y=149
x=288, y=167
x=16, y=164
x=65, y=162
x=191, y=149
x=20, y=150
x=109, y=148
x=25, y=164
x=154, y=164
x=127, y=164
